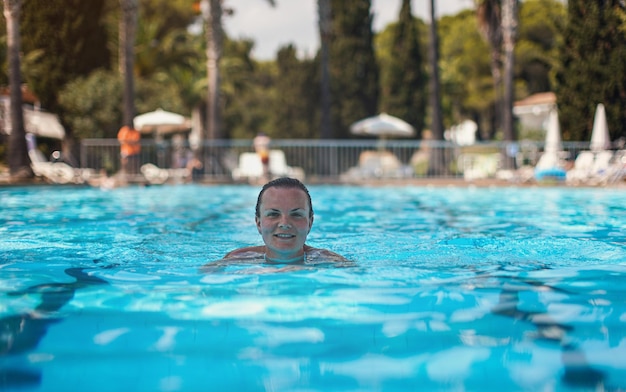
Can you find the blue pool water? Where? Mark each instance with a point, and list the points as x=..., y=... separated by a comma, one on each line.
x=457, y=289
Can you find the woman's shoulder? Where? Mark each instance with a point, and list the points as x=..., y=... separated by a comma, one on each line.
x=246, y=252
x=322, y=254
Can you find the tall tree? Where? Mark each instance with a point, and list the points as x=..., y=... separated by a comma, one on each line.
x=466, y=77
x=127, y=31
x=246, y=92
x=70, y=39
x=64, y=39
x=541, y=26
x=509, y=35
x=163, y=40
x=435, y=89
x=325, y=28
x=467, y=84
x=593, y=69
x=19, y=163
x=403, y=86
x=212, y=12
x=353, y=68
x=295, y=114
x=437, y=162
x=489, y=15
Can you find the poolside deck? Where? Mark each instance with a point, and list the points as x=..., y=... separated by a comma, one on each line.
x=6, y=180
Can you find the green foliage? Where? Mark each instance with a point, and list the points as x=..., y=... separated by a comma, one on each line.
x=353, y=69
x=593, y=69
x=404, y=92
x=92, y=105
x=155, y=93
x=64, y=41
x=296, y=96
x=537, y=50
x=279, y=98
x=69, y=40
x=467, y=85
x=164, y=16
x=467, y=82
x=246, y=91
x=164, y=43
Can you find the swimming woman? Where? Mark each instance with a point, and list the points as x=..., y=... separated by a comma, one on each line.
x=284, y=217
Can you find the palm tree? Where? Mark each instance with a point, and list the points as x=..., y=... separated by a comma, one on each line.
x=323, y=7
x=437, y=164
x=212, y=12
x=19, y=163
x=509, y=32
x=498, y=22
x=127, y=32
x=489, y=15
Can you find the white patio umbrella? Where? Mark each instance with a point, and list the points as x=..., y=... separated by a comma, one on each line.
x=553, y=134
x=600, y=138
x=161, y=121
x=550, y=158
x=383, y=126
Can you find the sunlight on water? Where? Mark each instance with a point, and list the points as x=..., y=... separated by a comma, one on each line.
x=449, y=289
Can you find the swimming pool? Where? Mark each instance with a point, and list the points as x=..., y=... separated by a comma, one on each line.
x=451, y=289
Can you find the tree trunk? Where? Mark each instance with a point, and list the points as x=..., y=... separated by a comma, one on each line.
x=509, y=28
x=437, y=162
x=496, y=73
x=489, y=17
x=19, y=163
x=325, y=37
x=127, y=32
x=212, y=14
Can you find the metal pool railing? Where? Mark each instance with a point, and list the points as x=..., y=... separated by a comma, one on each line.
x=330, y=160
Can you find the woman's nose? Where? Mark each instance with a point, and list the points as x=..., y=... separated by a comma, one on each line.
x=284, y=223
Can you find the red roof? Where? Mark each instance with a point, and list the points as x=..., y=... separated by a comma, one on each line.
x=27, y=95
x=537, y=99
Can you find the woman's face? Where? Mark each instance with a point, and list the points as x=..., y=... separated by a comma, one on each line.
x=284, y=222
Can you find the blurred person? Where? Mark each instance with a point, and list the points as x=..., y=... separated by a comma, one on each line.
x=130, y=147
x=262, y=147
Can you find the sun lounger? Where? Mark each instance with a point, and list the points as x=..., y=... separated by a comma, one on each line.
x=154, y=174
x=478, y=166
x=602, y=162
x=378, y=164
x=609, y=168
x=592, y=168
x=250, y=167
x=617, y=171
x=55, y=172
x=583, y=167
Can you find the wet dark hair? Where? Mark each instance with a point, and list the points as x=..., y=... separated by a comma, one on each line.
x=283, y=182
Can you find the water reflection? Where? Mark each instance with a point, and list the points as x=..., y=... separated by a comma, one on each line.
x=359, y=328
x=22, y=333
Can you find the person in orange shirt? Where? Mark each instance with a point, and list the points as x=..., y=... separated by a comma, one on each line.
x=130, y=147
